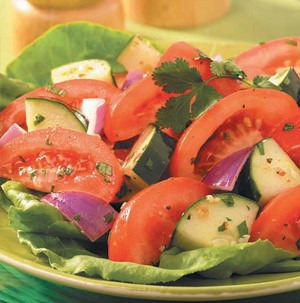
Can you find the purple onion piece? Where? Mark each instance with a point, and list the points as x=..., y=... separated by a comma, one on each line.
x=13, y=132
x=132, y=77
x=224, y=174
x=94, y=109
x=94, y=217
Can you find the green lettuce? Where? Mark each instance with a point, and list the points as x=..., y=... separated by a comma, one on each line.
x=51, y=237
x=11, y=89
x=67, y=43
x=28, y=214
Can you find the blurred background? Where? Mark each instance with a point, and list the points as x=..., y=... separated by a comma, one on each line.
x=235, y=25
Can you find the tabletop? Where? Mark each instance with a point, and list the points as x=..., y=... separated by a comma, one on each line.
x=247, y=23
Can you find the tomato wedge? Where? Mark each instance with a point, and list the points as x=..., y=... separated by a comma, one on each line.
x=236, y=121
x=75, y=90
x=57, y=159
x=270, y=57
x=144, y=227
x=287, y=135
x=279, y=222
x=136, y=108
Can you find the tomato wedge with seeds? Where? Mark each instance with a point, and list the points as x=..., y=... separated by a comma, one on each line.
x=73, y=93
x=279, y=222
x=270, y=57
x=287, y=135
x=143, y=228
x=57, y=159
x=242, y=119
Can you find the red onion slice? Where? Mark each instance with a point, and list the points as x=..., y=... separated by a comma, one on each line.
x=132, y=77
x=224, y=174
x=94, y=109
x=13, y=132
x=94, y=217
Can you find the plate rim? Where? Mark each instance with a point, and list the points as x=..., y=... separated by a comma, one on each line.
x=141, y=291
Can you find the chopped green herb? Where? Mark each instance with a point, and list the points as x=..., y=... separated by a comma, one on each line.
x=67, y=170
x=52, y=188
x=226, y=135
x=243, y=229
x=44, y=172
x=229, y=201
x=56, y=90
x=77, y=217
x=228, y=219
x=223, y=227
x=38, y=119
x=261, y=148
x=288, y=127
x=32, y=174
x=105, y=170
x=226, y=67
x=264, y=82
x=108, y=218
x=291, y=42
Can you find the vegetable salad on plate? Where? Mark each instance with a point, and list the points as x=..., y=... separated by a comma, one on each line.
x=127, y=161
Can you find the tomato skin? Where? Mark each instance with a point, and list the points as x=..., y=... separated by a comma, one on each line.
x=144, y=227
x=267, y=58
x=287, y=138
x=76, y=90
x=279, y=221
x=57, y=159
x=136, y=108
x=196, y=135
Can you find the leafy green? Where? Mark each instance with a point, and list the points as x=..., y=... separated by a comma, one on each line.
x=226, y=67
x=28, y=214
x=196, y=95
x=11, y=89
x=67, y=43
x=69, y=256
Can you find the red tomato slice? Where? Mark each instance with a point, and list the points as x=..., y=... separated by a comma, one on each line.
x=270, y=57
x=139, y=104
x=136, y=108
x=287, y=135
x=76, y=90
x=56, y=159
x=144, y=227
x=238, y=120
x=279, y=222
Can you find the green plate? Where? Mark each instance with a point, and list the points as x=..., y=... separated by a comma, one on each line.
x=189, y=288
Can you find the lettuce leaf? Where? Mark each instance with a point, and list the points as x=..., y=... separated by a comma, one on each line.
x=67, y=43
x=10, y=89
x=57, y=241
x=28, y=214
x=68, y=256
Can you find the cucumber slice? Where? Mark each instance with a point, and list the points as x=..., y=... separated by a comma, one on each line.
x=215, y=220
x=43, y=113
x=271, y=171
x=139, y=55
x=148, y=159
x=289, y=82
x=85, y=69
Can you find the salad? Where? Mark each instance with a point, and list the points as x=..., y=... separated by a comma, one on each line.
x=129, y=162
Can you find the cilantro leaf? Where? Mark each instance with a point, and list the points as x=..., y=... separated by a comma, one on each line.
x=206, y=96
x=176, y=77
x=225, y=67
x=175, y=113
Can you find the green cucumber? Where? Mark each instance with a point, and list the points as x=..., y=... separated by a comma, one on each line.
x=43, y=113
x=271, y=171
x=85, y=69
x=145, y=55
x=148, y=158
x=289, y=82
x=215, y=220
